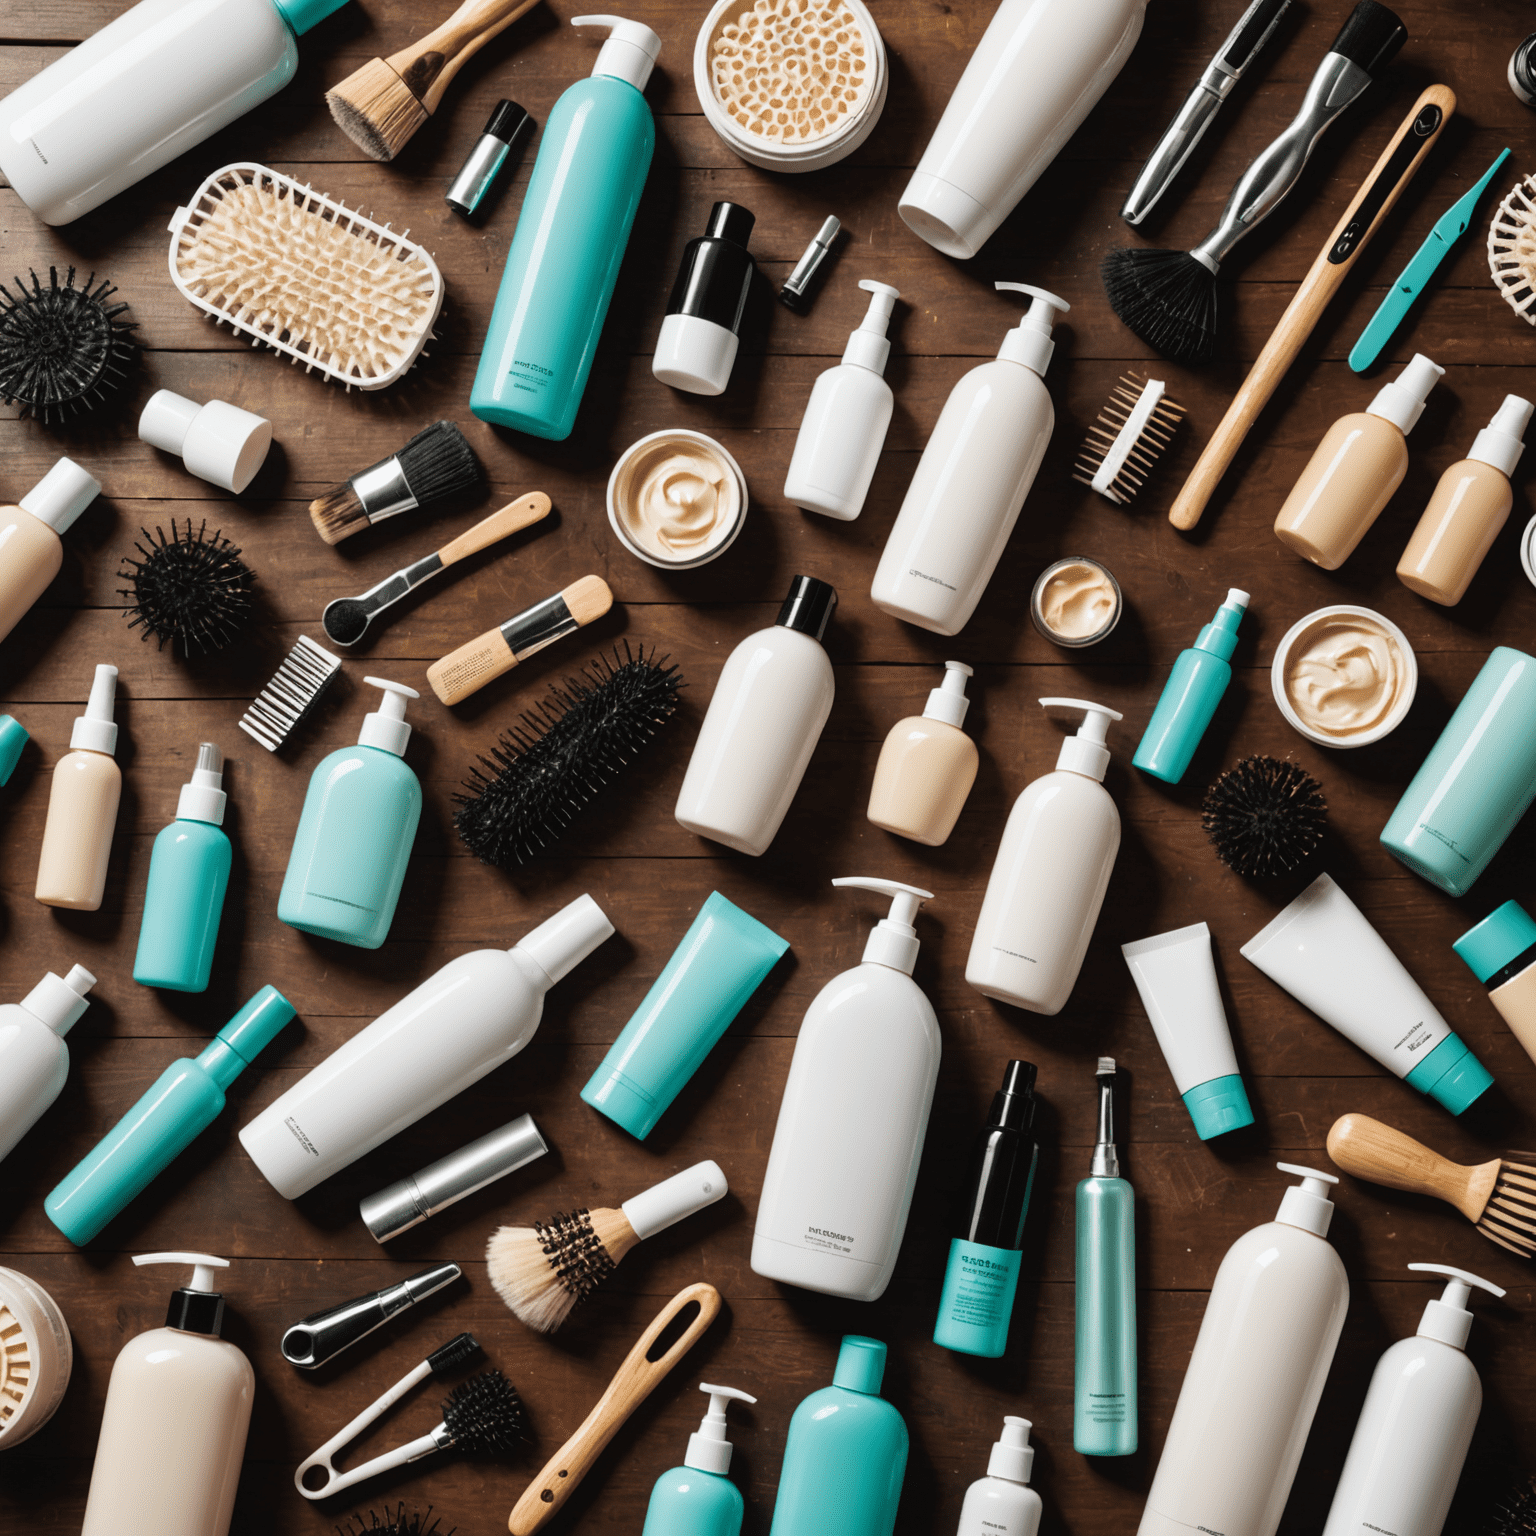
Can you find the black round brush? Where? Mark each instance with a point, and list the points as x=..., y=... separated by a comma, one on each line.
x=484, y=1416
x=1264, y=816
x=437, y=466
x=191, y=588
x=394, y=1523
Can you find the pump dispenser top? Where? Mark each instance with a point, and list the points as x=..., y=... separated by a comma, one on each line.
x=58, y=1001
x=386, y=727
x=95, y=730
x=1086, y=752
x=1029, y=342
x=629, y=52
x=708, y=1448
x=1402, y=401
x=197, y=1306
x=1306, y=1205
x=202, y=797
x=1448, y=1319
x=869, y=346
x=893, y=941
x=1502, y=441
x=948, y=701
x=1013, y=1457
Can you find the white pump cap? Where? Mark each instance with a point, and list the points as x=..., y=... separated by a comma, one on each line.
x=869, y=347
x=386, y=727
x=1030, y=341
x=948, y=702
x=893, y=940
x=95, y=730
x=630, y=52
x=202, y=797
x=58, y=1001
x=560, y=943
x=708, y=1449
x=1306, y=1205
x=684, y=1193
x=1502, y=441
x=1402, y=401
x=1236, y=598
x=218, y=442
x=1085, y=753
x=1448, y=1318
x=1013, y=1457
x=203, y=1266
x=61, y=495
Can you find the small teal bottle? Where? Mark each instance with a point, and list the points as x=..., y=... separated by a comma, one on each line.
x=697, y=1498
x=1191, y=694
x=1104, y=1383
x=185, y=1100
x=188, y=876
x=570, y=239
x=355, y=833
x=846, y=1454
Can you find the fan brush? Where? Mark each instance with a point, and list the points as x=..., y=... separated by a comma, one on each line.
x=191, y=588
x=1264, y=816
x=544, y=772
x=394, y=1523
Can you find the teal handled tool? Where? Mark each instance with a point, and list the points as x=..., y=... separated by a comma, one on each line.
x=1451, y=226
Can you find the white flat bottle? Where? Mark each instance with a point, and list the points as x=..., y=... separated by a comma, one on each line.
x=1002, y=1503
x=34, y=1061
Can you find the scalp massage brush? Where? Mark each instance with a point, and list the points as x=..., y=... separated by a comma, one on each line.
x=1264, y=816
x=191, y=589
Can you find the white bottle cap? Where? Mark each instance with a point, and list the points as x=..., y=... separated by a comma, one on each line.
x=708, y=1449
x=1306, y=1205
x=1030, y=341
x=560, y=943
x=893, y=940
x=1237, y=598
x=1013, y=1457
x=61, y=495
x=1502, y=441
x=58, y=1001
x=1085, y=753
x=658, y=1207
x=203, y=797
x=948, y=702
x=203, y=1266
x=630, y=52
x=1402, y=401
x=95, y=730
x=218, y=442
x=869, y=347
x=695, y=354
x=1448, y=1319
x=386, y=727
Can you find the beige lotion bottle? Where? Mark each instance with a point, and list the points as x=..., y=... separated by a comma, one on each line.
x=82, y=807
x=1360, y=462
x=31, y=549
x=173, y=1431
x=1469, y=507
x=927, y=766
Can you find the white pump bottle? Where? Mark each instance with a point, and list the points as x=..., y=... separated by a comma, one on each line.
x=1050, y=875
x=972, y=479
x=1416, y=1425
x=34, y=1061
x=854, y=1114
x=846, y=419
x=1002, y=1503
x=697, y=1497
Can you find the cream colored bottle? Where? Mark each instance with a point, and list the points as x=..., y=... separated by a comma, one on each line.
x=31, y=550
x=927, y=766
x=1469, y=507
x=82, y=807
x=1360, y=462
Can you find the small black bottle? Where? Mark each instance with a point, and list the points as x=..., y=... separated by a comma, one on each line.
x=697, y=346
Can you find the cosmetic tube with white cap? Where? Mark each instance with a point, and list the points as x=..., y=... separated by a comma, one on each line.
x=82, y=806
x=30, y=535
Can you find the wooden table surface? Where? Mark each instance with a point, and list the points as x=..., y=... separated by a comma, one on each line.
x=1194, y=1199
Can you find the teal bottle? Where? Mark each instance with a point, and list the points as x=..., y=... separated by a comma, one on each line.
x=697, y=1498
x=846, y=1454
x=1191, y=694
x=188, y=876
x=570, y=239
x=1104, y=1382
x=355, y=833
x=184, y=1101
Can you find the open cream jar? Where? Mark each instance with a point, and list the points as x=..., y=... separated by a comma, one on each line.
x=1344, y=676
x=677, y=499
x=1076, y=602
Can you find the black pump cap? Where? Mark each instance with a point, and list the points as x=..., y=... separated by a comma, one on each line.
x=1013, y=1105
x=196, y=1312
x=1370, y=36
x=808, y=608
x=507, y=121
x=730, y=221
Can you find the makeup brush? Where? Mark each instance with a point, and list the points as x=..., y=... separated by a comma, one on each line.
x=1122, y=447
x=1498, y=1197
x=542, y=1271
x=436, y=466
x=1264, y=816
x=188, y=588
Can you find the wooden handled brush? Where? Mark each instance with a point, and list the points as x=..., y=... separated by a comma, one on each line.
x=1370, y=205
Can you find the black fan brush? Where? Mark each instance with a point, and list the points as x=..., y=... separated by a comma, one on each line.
x=1264, y=816
x=191, y=588
x=394, y=1523
x=546, y=770
x=436, y=467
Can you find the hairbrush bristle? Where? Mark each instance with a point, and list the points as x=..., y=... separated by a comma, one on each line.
x=1137, y=423
x=277, y=711
x=393, y=1523
x=1515, y=1512
x=485, y=1416
x=1264, y=816
x=376, y=109
x=542, y=1271
x=191, y=588
x=1167, y=298
x=1509, y=1218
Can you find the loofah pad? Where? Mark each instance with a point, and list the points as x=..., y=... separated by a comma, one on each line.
x=1512, y=249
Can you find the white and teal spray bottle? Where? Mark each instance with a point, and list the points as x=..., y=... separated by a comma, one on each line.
x=697, y=1498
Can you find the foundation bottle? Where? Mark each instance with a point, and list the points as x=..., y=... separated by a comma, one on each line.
x=1360, y=462
x=927, y=766
x=1501, y=951
x=1468, y=509
x=82, y=807
x=31, y=549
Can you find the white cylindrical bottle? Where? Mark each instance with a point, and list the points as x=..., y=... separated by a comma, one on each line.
x=1416, y=1426
x=762, y=725
x=971, y=481
x=1265, y=1344
x=34, y=1061
x=477, y=1012
x=1050, y=875
x=852, y=1121
x=846, y=419
x=82, y=806
x=1002, y=1503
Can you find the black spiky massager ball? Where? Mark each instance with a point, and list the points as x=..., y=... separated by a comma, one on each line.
x=192, y=587
x=485, y=1416
x=63, y=350
x=1515, y=1513
x=395, y=1522
x=1264, y=816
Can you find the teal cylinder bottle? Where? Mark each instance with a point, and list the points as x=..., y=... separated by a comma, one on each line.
x=1191, y=694
x=846, y=1454
x=184, y=1101
x=355, y=833
x=697, y=1498
x=188, y=876
x=570, y=240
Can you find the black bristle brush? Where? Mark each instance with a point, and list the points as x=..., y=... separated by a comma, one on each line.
x=1515, y=1512
x=64, y=351
x=1264, y=816
x=394, y=1523
x=192, y=587
x=546, y=770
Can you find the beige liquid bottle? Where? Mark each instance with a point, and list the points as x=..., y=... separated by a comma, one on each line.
x=1469, y=507
x=1360, y=462
x=31, y=550
x=927, y=766
x=82, y=807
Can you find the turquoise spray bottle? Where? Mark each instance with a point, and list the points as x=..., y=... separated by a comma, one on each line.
x=697, y=1498
x=570, y=239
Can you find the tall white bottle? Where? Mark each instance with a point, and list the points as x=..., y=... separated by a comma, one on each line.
x=34, y=1061
x=846, y=419
x=1050, y=875
x=972, y=479
x=1257, y=1371
x=852, y=1121
x=477, y=1012
x=1002, y=1503
x=1416, y=1425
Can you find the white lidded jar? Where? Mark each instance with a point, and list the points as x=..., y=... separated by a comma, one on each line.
x=1265, y=1345
x=1050, y=875
x=1002, y=1503
x=34, y=1061
x=851, y=1124
x=971, y=481
x=35, y=1360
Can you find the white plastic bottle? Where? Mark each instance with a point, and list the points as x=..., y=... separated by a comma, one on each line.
x=34, y=1061
x=173, y=1431
x=1265, y=1344
x=1002, y=1503
x=852, y=1121
x=846, y=419
x=971, y=481
x=1050, y=875
x=477, y=1012
x=1416, y=1425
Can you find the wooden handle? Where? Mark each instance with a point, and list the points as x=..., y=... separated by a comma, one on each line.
x=1371, y=204
x=1370, y=1150
x=499, y=525
x=632, y=1384
x=476, y=663
x=427, y=67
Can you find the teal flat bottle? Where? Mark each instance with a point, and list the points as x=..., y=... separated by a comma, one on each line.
x=570, y=239
x=697, y=1498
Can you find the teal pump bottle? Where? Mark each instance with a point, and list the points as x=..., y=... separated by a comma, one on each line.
x=846, y=1454
x=1104, y=1383
x=188, y=875
x=570, y=239
x=355, y=833
x=1194, y=689
x=697, y=1498
x=184, y=1101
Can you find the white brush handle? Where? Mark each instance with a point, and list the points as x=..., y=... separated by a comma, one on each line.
x=323, y=1457
x=413, y=1451
x=684, y=1193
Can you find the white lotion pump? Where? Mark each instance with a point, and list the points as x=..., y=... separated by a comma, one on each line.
x=1050, y=875
x=852, y=1121
x=1002, y=1503
x=1416, y=1425
x=971, y=481
x=34, y=1061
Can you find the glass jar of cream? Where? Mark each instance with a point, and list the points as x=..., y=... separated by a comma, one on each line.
x=1344, y=676
x=677, y=499
x=1076, y=602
